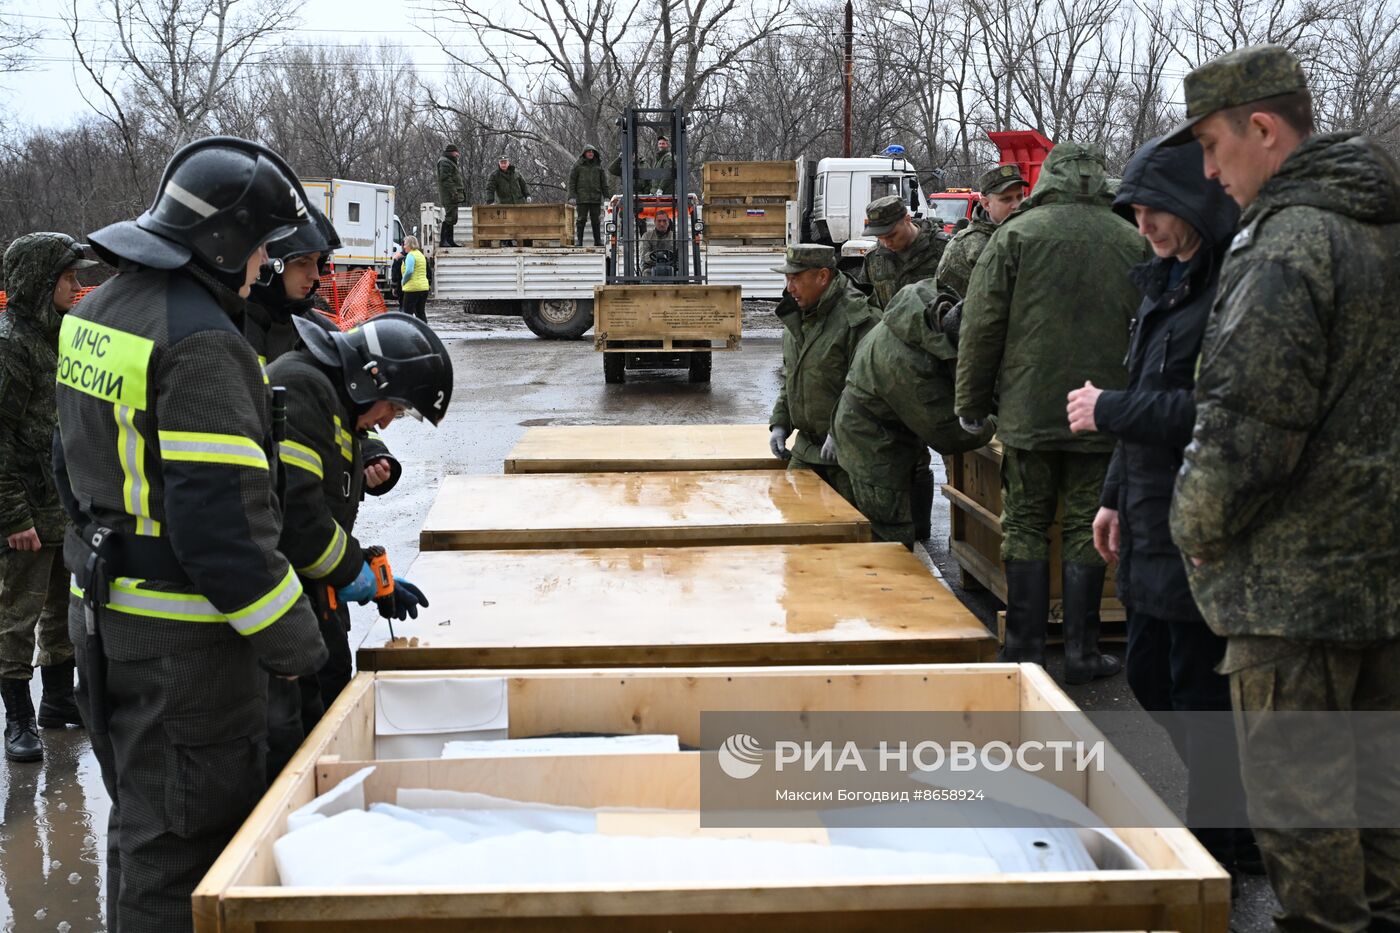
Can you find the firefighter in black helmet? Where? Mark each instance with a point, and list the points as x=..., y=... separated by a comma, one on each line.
x=166, y=463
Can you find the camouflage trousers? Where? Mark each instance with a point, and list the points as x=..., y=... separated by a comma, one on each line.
x=890, y=511
x=1325, y=879
x=1033, y=484
x=33, y=602
x=835, y=477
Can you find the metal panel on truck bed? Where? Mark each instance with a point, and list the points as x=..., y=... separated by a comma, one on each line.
x=487, y=274
x=749, y=267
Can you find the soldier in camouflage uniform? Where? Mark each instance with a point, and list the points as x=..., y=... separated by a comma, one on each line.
x=909, y=252
x=824, y=316
x=41, y=285
x=1048, y=307
x=909, y=249
x=898, y=402
x=505, y=185
x=1288, y=503
x=451, y=192
x=1002, y=191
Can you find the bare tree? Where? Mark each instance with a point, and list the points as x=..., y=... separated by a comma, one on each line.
x=174, y=60
x=16, y=42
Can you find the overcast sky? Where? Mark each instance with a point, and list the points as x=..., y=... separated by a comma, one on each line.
x=49, y=94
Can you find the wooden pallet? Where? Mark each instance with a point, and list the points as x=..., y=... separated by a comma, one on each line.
x=535, y=224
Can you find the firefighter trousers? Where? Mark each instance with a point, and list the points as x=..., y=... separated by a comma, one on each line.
x=182, y=757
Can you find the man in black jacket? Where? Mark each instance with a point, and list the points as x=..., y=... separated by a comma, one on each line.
x=1188, y=219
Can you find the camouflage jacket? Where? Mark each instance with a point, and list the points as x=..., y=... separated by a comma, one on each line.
x=28, y=411
x=955, y=268
x=899, y=395
x=449, y=181
x=1049, y=306
x=506, y=187
x=588, y=183
x=1290, y=490
x=817, y=350
x=889, y=271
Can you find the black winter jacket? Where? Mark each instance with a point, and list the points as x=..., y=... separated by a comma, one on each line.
x=1153, y=418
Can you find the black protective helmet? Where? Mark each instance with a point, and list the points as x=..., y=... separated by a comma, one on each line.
x=219, y=200
x=314, y=237
x=392, y=357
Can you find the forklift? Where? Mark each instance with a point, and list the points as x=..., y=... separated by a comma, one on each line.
x=632, y=261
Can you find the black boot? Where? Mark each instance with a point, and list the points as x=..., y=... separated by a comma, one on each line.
x=21, y=735
x=1082, y=592
x=921, y=500
x=578, y=233
x=445, y=239
x=58, y=709
x=1027, y=610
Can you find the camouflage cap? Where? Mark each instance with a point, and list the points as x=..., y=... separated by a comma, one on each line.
x=884, y=214
x=999, y=179
x=803, y=256
x=1255, y=72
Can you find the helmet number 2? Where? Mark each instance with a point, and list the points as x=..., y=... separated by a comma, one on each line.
x=438, y=403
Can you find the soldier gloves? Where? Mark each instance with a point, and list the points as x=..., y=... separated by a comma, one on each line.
x=777, y=441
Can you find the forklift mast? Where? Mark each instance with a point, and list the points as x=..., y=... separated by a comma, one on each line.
x=625, y=260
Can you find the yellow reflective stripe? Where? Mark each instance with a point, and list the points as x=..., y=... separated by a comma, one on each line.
x=136, y=488
x=103, y=362
x=347, y=440
x=262, y=367
x=199, y=447
x=299, y=455
x=273, y=606
x=330, y=558
x=128, y=596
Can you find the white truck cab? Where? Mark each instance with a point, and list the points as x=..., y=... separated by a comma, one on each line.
x=363, y=215
x=842, y=188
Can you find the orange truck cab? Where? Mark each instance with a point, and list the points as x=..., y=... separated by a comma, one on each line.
x=1026, y=149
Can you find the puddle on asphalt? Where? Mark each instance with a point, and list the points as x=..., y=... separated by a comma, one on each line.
x=52, y=870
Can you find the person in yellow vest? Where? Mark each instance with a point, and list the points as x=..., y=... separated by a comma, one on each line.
x=415, y=280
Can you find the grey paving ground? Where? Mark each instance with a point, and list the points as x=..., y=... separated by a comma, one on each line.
x=55, y=814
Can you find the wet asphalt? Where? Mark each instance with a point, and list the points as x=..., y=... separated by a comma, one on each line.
x=52, y=837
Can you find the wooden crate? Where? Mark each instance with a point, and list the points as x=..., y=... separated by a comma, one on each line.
x=746, y=221
x=973, y=491
x=526, y=224
x=631, y=448
x=742, y=181
x=764, y=604
x=667, y=317
x=546, y=510
x=1182, y=889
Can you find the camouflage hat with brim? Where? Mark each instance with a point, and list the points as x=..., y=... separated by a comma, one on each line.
x=1246, y=75
x=884, y=214
x=803, y=256
x=999, y=179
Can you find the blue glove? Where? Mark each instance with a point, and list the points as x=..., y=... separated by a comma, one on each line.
x=361, y=589
x=403, y=603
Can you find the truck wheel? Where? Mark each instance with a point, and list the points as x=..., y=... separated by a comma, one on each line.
x=559, y=318
x=614, y=368
x=700, y=366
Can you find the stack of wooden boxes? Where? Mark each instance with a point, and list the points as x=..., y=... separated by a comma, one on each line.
x=746, y=202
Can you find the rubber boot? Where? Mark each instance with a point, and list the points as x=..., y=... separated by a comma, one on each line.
x=445, y=239
x=58, y=709
x=578, y=231
x=1082, y=593
x=21, y=734
x=1027, y=611
x=921, y=500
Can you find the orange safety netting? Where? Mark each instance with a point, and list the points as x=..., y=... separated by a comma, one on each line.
x=353, y=297
x=82, y=293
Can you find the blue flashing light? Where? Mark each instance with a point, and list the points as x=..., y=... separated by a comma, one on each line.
x=894, y=149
